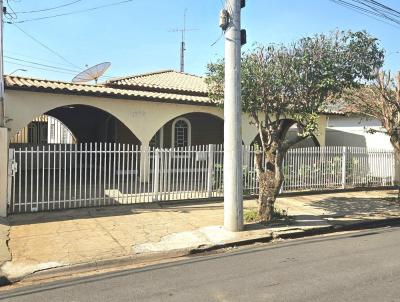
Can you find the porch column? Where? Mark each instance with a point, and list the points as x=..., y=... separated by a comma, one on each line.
x=3, y=171
x=144, y=161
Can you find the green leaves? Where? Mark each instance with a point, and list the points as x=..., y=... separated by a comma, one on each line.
x=298, y=80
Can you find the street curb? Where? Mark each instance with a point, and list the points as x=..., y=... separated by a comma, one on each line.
x=215, y=247
x=103, y=264
x=369, y=224
x=177, y=253
x=338, y=228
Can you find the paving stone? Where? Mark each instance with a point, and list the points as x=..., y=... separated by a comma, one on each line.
x=41, y=240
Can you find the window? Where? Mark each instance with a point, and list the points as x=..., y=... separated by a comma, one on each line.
x=52, y=132
x=181, y=133
x=32, y=133
x=64, y=136
x=37, y=132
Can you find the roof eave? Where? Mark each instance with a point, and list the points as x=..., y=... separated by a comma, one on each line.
x=109, y=95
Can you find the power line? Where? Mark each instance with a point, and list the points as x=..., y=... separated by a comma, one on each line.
x=9, y=16
x=372, y=9
x=40, y=64
x=365, y=13
x=384, y=12
x=40, y=68
x=47, y=47
x=384, y=6
x=37, y=59
x=71, y=13
x=46, y=66
x=50, y=68
x=48, y=9
x=359, y=8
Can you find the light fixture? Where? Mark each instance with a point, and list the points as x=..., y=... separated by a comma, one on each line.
x=19, y=69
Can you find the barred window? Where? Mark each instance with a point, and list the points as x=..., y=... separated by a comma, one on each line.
x=181, y=133
x=52, y=131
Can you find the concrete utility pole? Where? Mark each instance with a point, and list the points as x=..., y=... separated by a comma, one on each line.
x=233, y=191
x=2, y=123
x=4, y=179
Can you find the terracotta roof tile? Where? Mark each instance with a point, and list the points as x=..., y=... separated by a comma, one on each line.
x=103, y=90
x=24, y=83
x=165, y=79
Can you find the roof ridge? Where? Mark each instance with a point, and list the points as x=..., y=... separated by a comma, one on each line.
x=190, y=74
x=52, y=81
x=138, y=75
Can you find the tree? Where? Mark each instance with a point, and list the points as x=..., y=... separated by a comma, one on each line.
x=289, y=85
x=380, y=100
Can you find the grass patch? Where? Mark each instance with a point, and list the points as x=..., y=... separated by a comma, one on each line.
x=279, y=217
x=251, y=215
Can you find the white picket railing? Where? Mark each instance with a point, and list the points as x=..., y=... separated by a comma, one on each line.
x=326, y=168
x=55, y=177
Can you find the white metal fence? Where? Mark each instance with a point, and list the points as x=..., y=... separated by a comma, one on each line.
x=55, y=177
x=327, y=168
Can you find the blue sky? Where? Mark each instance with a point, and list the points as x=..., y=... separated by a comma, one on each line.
x=136, y=36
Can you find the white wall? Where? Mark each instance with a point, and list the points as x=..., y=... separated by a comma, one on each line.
x=352, y=131
x=143, y=118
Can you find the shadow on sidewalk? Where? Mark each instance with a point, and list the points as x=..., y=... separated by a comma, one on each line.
x=353, y=209
x=316, y=210
x=185, y=207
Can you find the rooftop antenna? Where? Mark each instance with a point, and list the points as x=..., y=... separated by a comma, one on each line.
x=92, y=73
x=183, y=30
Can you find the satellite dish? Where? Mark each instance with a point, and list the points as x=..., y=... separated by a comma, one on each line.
x=92, y=73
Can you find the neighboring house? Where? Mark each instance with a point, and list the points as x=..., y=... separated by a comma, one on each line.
x=351, y=130
x=355, y=131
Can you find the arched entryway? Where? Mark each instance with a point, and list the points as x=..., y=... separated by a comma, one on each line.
x=190, y=129
x=44, y=129
x=91, y=124
x=73, y=156
x=75, y=124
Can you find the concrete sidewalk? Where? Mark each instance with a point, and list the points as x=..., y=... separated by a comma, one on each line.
x=46, y=240
x=5, y=254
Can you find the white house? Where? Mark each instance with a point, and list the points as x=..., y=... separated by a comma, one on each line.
x=354, y=131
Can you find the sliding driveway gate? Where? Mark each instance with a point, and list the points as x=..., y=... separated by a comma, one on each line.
x=55, y=177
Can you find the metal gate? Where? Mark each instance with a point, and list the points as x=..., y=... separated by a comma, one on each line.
x=56, y=177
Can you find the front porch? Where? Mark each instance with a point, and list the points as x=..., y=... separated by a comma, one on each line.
x=117, y=143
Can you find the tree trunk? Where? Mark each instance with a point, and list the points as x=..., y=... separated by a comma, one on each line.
x=394, y=139
x=270, y=181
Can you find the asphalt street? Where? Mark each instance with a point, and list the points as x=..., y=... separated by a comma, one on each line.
x=362, y=266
